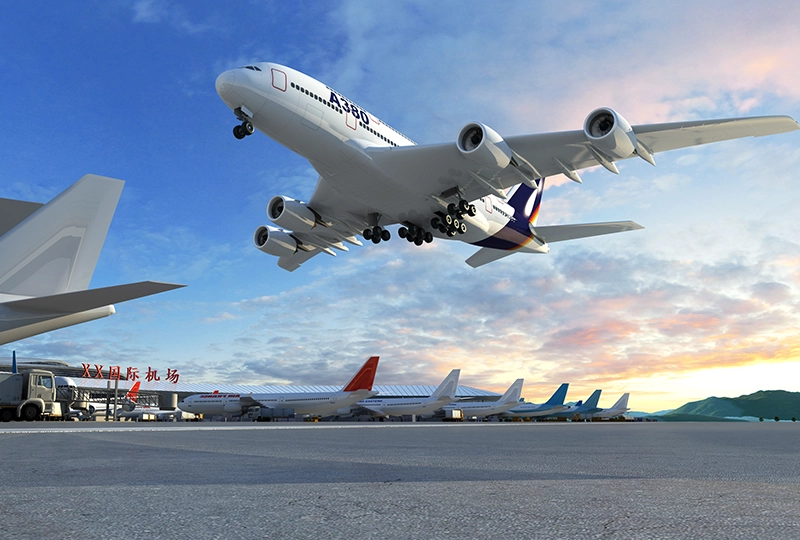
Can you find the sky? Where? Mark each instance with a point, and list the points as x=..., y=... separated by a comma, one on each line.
x=704, y=301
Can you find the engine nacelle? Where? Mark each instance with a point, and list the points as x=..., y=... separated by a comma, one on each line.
x=274, y=241
x=232, y=407
x=291, y=214
x=484, y=146
x=610, y=133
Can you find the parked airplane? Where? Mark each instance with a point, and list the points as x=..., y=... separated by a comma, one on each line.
x=372, y=176
x=529, y=410
x=618, y=409
x=482, y=409
x=312, y=403
x=582, y=409
x=49, y=255
x=444, y=394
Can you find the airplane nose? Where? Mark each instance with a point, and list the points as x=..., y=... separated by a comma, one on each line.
x=225, y=82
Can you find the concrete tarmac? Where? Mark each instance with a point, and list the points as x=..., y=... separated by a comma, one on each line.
x=406, y=481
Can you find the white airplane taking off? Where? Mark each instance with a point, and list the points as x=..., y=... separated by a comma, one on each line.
x=372, y=176
x=444, y=394
x=482, y=409
x=312, y=403
x=49, y=255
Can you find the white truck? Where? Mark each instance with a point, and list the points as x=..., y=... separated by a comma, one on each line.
x=30, y=395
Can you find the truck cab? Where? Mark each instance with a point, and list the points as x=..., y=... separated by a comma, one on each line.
x=30, y=395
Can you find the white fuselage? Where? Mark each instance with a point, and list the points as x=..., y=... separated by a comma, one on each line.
x=404, y=406
x=530, y=410
x=313, y=403
x=331, y=131
x=481, y=409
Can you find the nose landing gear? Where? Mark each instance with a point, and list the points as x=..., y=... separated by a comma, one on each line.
x=241, y=131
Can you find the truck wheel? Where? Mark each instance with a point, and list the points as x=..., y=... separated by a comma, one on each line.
x=7, y=415
x=30, y=413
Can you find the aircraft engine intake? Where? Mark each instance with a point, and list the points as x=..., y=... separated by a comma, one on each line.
x=484, y=146
x=232, y=407
x=610, y=133
x=291, y=214
x=274, y=241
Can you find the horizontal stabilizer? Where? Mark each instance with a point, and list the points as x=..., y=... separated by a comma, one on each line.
x=559, y=233
x=487, y=255
x=77, y=301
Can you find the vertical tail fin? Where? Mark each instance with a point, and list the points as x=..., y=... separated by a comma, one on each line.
x=526, y=201
x=55, y=248
x=364, y=378
x=13, y=361
x=591, y=403
x=449, y=385
x=513, y=393
x=133, y=393
x=622, y=403
x=558, y=396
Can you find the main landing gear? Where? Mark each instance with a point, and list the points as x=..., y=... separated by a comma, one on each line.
x=452, y=223
x=415, y=235
x=376, y=234
x=241, y=131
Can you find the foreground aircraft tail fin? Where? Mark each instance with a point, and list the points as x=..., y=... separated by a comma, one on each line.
x=591, y=403
x=449, y=385
x=364, y=378
x=55, y=248
x=513, y=393
x=558, y=396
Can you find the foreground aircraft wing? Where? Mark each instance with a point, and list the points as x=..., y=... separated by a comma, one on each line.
x=77, y=301
x=437, y=169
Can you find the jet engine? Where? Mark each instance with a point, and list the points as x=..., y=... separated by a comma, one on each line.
x=274, y=241
x=291, y=214
x=483, y=145
x=610, y=133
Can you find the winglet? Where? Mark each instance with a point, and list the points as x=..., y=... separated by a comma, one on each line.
x=364, y=378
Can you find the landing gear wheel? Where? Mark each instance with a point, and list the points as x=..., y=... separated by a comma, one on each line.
x=247, y=128
x=367, y=234
x=451, y=233
x=435, y=223
x=238, y=133
x=402, y=232
x=463, y=206
x=442, y=229
x=385, y=235
x=376, y=239
x=472, y=210
x=456, y=224
x=376, y=232
x=452, y=209
x=462, y=228
x=428, y=238
x=448, y=219
x=417, y=241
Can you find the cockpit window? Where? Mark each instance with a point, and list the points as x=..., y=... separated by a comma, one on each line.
x=251, y=68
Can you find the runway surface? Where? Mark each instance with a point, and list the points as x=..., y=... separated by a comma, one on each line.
x=351, y=480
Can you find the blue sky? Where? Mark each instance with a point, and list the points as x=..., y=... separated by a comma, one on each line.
x=703, y=302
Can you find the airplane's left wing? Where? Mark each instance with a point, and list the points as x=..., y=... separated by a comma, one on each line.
x=487, y=164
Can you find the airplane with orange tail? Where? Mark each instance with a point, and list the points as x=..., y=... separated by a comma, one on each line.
x=305, y=403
